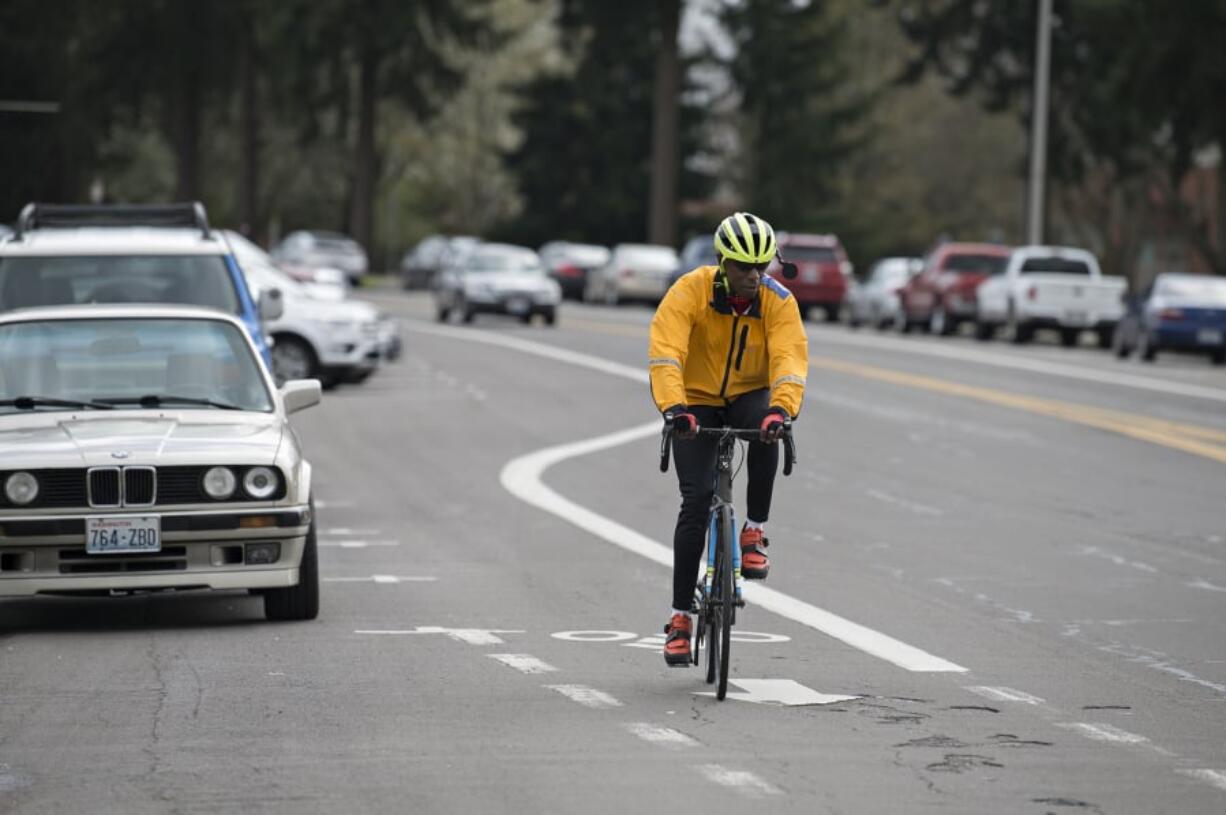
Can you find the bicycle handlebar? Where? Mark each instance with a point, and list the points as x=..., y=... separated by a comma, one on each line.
x=744, y=433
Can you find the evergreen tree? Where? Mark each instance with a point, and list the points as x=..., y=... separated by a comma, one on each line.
x=798, y=114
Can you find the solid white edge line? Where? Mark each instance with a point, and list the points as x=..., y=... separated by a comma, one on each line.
x=740, y=780
x=1003, y=694
x=1101, y=731
x=522, y=478
x=1215, y=777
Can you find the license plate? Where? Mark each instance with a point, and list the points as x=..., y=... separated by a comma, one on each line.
x=1075, y=317
x=1209, y=336
x=128, y=533
x=517, y=305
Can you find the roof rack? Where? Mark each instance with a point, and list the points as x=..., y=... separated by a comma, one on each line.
x=37, y=216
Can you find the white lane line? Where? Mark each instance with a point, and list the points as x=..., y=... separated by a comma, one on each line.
x=358, y=544
x=663, y=736
x=1100, y=731
x=1031, y=365
x=1002, y=694
x=524, y=663
x=472, y=636
x=347, y=532
x=522, y=478
x=1215, y=777
x=742, y=781
x=382, y=578
x=588, y=697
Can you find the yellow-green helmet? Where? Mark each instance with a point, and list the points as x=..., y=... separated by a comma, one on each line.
x=745, y=238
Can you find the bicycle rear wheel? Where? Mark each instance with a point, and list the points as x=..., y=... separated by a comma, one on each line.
x=723, y=610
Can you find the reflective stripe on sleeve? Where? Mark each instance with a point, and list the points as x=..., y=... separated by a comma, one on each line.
x=799, y=380
x=651, y=363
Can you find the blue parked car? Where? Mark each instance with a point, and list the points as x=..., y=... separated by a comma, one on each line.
x=1177, y=312
x=117, y=253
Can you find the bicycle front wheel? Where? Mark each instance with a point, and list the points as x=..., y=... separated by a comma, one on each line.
x=725, y=608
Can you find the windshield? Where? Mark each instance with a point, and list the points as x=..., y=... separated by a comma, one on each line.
x=193, y=280
x=975, y=264
x=1208, y=290
x=1056, y=266
x=525, y=261
x=123, y=360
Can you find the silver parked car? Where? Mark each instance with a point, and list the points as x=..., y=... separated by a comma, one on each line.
x=323, y=250
x=875, y=301
x=635, y=271
x=145, y=448
x=497, y=278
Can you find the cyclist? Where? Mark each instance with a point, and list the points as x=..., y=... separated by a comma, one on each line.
x=727, y=347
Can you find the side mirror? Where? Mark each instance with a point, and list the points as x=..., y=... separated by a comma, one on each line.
x=789, y=270
x=299, y=394
x=272, y=305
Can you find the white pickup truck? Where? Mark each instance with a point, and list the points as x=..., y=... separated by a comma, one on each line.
x=1050, y=287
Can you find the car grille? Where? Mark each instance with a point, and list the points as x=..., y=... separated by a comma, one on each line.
x=114, y=487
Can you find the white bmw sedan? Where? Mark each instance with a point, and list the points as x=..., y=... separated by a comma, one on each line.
x=145, y=448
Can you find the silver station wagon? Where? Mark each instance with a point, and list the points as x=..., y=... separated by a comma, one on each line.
x=146, y=448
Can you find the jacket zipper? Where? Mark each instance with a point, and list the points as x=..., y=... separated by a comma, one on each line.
x=728, y=364
x=741, y=351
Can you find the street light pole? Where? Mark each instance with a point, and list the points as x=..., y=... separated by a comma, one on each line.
x=1038, y=123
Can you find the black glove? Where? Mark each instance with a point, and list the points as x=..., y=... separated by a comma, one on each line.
x=683, y=423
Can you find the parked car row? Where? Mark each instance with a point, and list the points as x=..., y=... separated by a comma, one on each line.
x=1019, y=291
x=144, y=444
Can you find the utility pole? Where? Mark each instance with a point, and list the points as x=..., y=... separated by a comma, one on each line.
x=1038, y=124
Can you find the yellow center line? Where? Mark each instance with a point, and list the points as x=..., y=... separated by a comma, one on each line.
x=1189, y=438
x=1175, y=435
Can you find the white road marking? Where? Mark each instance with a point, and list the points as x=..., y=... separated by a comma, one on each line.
x=1002, y=694
x=594, y=636
x=1201, y=583
x=522, y=478
x=742, y=781
x=524, y=663
x=1032, y=365
x=347, y=532
x=1118, y=560
x=472, y=636
x=358, y=544
x=783, y=692
x=1100, y=731
x=663, y=736
x=588, y=697
x=1215, y=777
x=382, y=578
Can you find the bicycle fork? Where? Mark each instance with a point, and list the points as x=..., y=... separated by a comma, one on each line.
x=712, y=538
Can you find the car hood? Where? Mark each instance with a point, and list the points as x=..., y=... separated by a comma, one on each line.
x=314, y=309
x=508, y=281
x=43, y=441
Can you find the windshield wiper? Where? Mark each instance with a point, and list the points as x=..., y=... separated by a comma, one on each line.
x=158, y=399
x=31, y=402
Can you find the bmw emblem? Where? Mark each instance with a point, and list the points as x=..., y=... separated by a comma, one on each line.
x=120, y=454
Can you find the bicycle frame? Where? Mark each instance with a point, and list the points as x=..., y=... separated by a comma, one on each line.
x=721, y=501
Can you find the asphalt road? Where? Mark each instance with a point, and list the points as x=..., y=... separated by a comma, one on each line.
x=1013, y=558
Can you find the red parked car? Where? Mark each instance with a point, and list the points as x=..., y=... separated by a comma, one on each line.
x=942, y=296
x=822, y=272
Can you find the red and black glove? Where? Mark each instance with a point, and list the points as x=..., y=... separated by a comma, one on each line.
x=773, y=424
x=683, y=423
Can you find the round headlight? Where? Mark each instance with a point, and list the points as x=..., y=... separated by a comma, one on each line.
x=21, y=488
x=219, y=483
x=260, y=482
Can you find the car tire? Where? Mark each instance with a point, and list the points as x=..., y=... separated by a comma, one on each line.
x=1218, y=357
x=804, y=312
x=1118, y=346
x=293, y=358
x=300, y=602
x=550, y=315
x=1020, y=332
x=441, y=313
x=467, y=312
x=984, y=330
x=526, y=318
x=832, y=313
x=1069, y=336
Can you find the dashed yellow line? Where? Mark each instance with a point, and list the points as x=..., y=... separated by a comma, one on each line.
x=1175, y=435
x=1189, y=438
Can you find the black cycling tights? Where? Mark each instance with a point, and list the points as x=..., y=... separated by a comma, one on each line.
x=695, y=463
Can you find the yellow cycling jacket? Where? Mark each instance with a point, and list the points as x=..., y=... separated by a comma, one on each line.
x=703, y=353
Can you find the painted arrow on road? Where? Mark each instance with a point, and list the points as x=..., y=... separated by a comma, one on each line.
x=784, y=692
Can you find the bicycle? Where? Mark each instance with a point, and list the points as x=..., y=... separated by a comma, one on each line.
x=718, y=594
